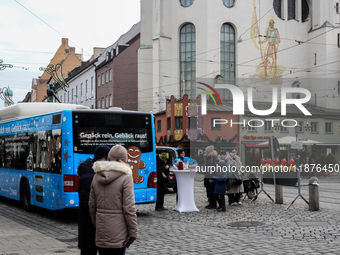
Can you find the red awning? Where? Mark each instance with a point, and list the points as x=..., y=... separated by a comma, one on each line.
x=252, y=145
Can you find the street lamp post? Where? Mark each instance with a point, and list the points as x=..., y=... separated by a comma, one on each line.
x=297, y=129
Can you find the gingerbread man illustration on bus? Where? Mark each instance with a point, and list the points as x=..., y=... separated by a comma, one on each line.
x=134, y=155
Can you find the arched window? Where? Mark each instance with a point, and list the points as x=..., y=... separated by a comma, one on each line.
x=186, y=3
x=228, y=3
x=305, y=10
x=227, y=58
x=187, y=46
x=291, y=9
x=277, y=5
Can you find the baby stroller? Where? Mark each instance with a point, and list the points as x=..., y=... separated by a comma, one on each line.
x=250, y=185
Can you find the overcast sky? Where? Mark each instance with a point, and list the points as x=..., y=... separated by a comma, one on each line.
x=31, y=32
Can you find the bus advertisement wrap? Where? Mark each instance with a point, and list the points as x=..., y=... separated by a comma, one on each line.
x=40, y=153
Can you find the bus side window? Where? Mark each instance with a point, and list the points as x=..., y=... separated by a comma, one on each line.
x=2, y=153
x=55, y=149
x=56, y=119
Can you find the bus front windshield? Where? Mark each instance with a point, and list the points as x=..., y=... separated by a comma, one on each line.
x=93, y=129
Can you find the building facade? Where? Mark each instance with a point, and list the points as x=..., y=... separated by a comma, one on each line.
x=182, y=125
x=67, y=58
x=256, y=45
x=107, y=79
x=117, y=72
x=320, y=131
x=81, y=83
x=269, y=50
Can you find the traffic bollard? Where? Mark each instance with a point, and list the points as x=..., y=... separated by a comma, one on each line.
x=279, y=194
x=314, y=194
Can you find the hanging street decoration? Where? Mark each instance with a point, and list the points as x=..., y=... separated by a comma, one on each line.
x=6, y=96
x=3, y=66
x=57, y=75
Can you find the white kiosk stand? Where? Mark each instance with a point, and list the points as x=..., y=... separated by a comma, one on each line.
x=185, y=190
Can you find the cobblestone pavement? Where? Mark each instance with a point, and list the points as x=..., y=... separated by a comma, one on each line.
x=261, y=227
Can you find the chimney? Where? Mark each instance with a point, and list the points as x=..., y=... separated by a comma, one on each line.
x=97, y=51
x=64, y=41
x=72, y=50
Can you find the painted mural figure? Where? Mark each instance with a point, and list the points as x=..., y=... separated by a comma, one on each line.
x=272, y=38
x=269, y=48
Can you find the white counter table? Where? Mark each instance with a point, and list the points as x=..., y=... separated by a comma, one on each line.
x=185, y=189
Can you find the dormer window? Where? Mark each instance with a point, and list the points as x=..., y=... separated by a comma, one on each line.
x=108, y=56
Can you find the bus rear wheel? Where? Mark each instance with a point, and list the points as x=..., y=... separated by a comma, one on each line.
x=25, y=196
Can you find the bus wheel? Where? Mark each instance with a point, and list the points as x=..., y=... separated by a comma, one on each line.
x=25, y=196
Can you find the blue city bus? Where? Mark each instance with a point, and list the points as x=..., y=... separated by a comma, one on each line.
x=42, y=145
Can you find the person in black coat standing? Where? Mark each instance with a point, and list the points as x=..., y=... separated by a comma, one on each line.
x=162, y=180
x=297, y=161
x=209, y=181
x=86, y=230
